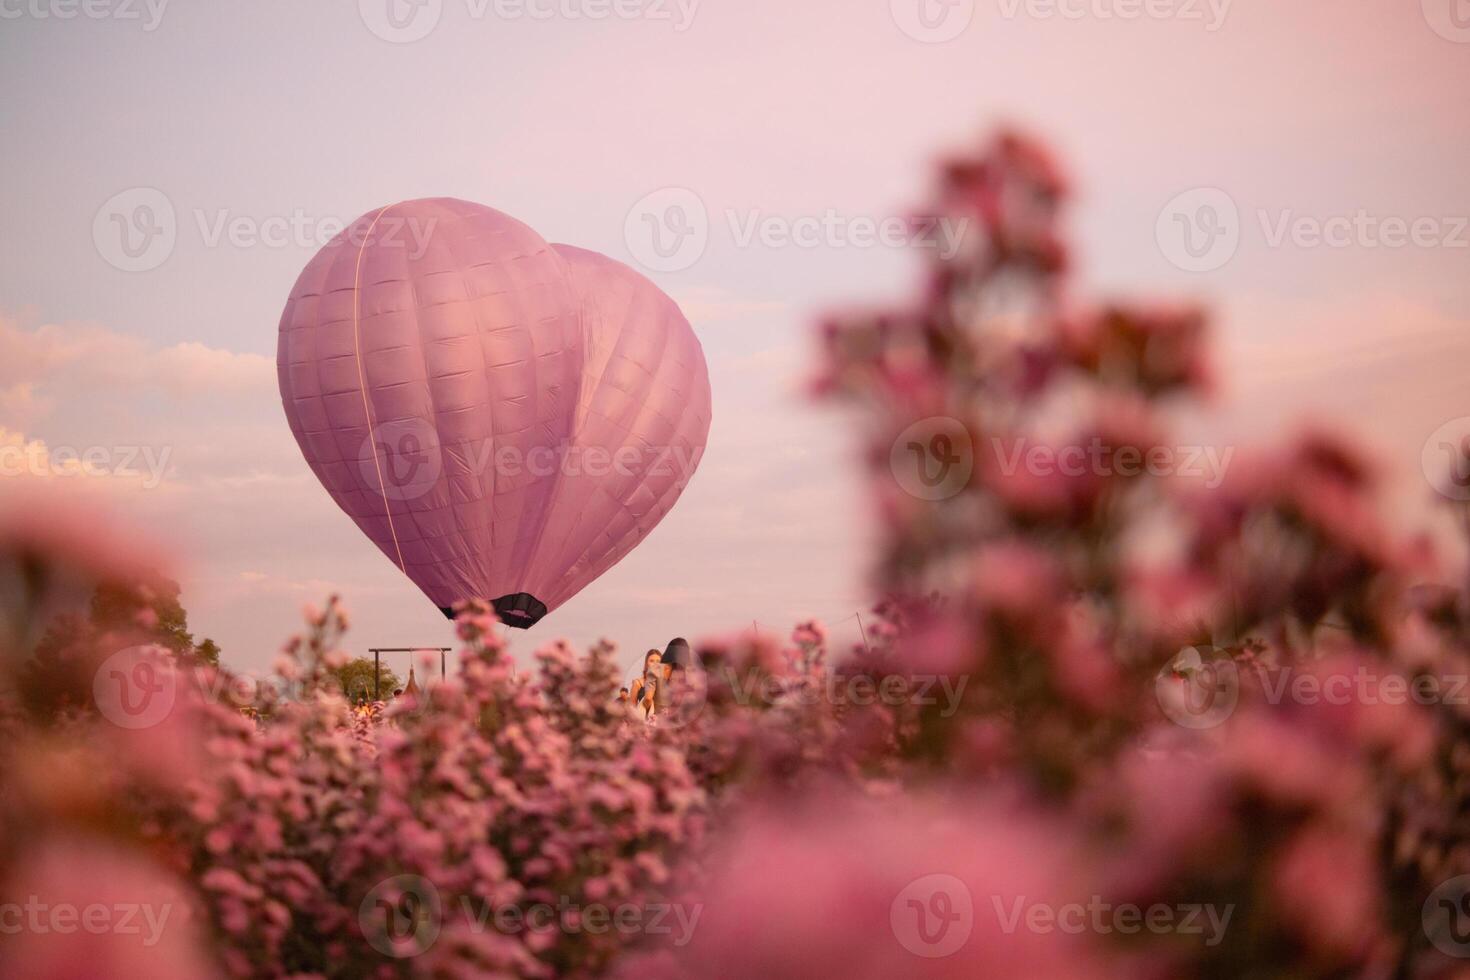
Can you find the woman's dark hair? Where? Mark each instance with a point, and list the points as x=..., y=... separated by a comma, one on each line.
x=677, y=653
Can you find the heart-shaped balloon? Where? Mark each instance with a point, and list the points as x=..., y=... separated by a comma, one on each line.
x=504, y=418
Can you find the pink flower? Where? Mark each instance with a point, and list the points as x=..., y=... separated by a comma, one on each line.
x=90, y=909
x=881, y=885
x=1326, y=884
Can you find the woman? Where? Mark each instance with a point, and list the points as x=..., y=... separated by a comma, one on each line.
x=649, y=691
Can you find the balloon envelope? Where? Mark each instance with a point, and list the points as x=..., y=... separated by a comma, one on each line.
x=504, y=418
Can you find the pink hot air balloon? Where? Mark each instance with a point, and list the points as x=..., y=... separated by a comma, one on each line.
x=504, y=418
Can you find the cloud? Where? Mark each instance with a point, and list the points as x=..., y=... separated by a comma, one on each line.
x=21, y=403
x=38, y=364
x=26, y=458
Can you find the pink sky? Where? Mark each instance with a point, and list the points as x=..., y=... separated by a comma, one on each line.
x=269, y=117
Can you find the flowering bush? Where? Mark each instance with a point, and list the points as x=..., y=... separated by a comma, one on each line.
x=1111, y=721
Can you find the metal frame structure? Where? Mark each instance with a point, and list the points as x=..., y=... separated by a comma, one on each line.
x=377, y=668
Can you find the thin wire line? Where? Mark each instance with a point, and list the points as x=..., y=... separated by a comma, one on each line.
x=362, y=382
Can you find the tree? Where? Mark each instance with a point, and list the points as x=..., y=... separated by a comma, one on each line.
x=208, y=651
x=117, y=606
x=356, y=678
x=147, y=612
x=126, y=607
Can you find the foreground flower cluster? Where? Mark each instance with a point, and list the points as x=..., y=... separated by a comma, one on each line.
x=1112, y=721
